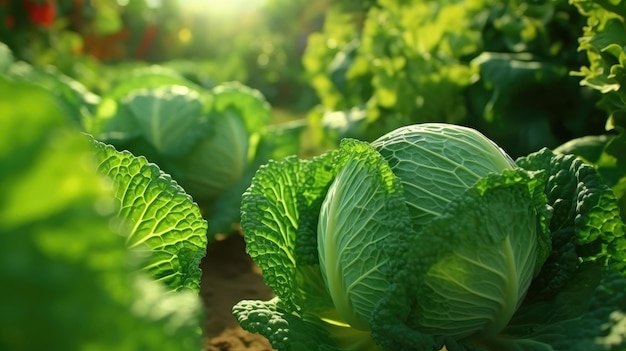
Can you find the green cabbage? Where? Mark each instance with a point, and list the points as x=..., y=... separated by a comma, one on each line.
x=432, y=236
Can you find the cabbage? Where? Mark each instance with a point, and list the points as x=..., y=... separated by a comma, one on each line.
x=430, y=236
x=209, y=140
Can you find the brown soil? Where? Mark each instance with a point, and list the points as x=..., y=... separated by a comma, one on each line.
x=229, y=276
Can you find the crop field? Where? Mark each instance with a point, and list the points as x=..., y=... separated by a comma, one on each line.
x=292, y=175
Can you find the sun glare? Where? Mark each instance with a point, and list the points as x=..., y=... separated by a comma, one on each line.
x=224, y=7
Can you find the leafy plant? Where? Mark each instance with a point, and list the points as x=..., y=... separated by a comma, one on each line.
x=476, y=63
x=207, y=140
x=603, y=42
x=433, y=236
x=99, y=249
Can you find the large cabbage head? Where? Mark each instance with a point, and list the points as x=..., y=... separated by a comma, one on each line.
x=431, y=236
x=435, y=167
x=201, y=137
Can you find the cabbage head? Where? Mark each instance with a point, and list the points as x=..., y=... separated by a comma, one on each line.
x=433, y=236
x=211, y=141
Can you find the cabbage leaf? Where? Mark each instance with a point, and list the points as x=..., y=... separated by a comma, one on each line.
x=160, y=218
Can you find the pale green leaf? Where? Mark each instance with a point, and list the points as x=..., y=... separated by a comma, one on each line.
x=363, y=207
x=159, y=217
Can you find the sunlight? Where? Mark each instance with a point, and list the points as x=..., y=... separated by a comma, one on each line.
x=230, y=7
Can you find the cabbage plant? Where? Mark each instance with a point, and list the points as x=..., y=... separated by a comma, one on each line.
x=431, y=237
x=211, y=141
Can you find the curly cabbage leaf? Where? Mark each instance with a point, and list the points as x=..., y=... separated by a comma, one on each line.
x=281, y=207
x=293, y=332
x=586, y=225
x=160, y=218
x=285, y=331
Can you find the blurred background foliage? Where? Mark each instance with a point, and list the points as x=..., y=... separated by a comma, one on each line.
x=258, y=43
x=502, y=67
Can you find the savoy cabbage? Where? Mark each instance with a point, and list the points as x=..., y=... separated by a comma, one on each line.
x=433, y=236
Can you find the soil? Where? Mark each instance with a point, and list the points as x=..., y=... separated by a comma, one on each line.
x=228, y=276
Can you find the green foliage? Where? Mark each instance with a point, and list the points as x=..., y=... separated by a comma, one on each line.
x=603, y=43
x=433, y=236
x=70, y=280
x=476, y=63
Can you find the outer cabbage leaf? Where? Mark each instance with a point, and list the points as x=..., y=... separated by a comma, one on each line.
x=285, y=331
x=69, y=282
x=111, y=117
x=589, y=148
x=587, y=314
x=279, y=215
x=363, y=207
x=577, y=301
x=466, y=272
x=586, y=225
x=249, y=103
x=292, y=332
x=162, y=219
x=604, y=153
x=151, y=77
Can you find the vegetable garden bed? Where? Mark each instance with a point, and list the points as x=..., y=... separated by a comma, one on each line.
x=429, y=202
